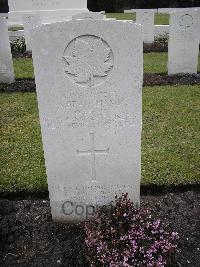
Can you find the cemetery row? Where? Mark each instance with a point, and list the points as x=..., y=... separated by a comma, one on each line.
x=183, y=40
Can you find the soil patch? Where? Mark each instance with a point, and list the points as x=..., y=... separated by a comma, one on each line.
x=26, y=54
x=150, y=79
x=155, y=47
x=179, y=79
x=30, y=238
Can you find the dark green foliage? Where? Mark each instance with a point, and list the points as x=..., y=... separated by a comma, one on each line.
x=18, y=45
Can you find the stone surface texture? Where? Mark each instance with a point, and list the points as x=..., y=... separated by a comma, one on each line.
x=50, y=10
x=183, y=47
x=145, y=17
x=6, y=65
x=171, y=10
x=14, y=35
x=30, y=21
x=89, y=15
x=89, y=87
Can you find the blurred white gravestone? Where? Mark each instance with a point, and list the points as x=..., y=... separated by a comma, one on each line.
x=89, y=15
x=145, y=17
x=174, y=9
x=6, y=64
x=183, y=42
x=50, y=10
x=30, y=21
x=90, y=104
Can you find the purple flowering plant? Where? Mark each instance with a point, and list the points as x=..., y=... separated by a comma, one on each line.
x=122, y=235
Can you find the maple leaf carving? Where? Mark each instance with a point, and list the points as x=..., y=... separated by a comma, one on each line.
x=88, y=60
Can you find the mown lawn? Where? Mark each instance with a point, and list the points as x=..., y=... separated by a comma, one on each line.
x=23, y=68
x=170, y=140
x=153, y=63
x=157, y=62
x=16, y=28
x=160, y=19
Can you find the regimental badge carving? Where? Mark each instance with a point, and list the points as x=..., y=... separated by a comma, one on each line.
x=88, y=60
x=186, y=21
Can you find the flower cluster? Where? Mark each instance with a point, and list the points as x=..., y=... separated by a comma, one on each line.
x=121, y=235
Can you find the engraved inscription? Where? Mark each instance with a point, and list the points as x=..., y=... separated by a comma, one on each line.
x=186, y=21
x=96, y=193
x=88, y=60
x=93, y=153
x=45, y=3
x=99, y=109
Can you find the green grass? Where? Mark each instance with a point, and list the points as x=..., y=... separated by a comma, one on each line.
x=22, y=163
x=170, y=147
x=122, y=16
x=160, y=19
x=153, y=63
x=170, y=140
x=16, y=28
x=157, y=63
x=23, y=68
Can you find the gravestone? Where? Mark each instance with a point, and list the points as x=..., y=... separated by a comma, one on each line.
x=174, y=9
x=89, y=15
x=30, y=21
x=183, y=42
x=6, y=65
x=89, y=86
x=145, y=17
x=50, y=10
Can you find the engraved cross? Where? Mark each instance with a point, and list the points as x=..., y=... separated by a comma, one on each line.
x=93, y=152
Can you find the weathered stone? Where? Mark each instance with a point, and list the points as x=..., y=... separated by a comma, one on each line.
x=6, y=65
x=89, y=15
x=183, y=42
x=89, y=87
x=145, y=17
x=30, y=22
x=49, y=10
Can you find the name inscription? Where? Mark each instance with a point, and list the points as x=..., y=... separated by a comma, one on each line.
x=100, y=108
x=45, y=3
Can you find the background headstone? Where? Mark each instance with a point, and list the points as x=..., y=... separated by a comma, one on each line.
x=49, y=10
x=174, y=9
x=89, y=86
x=145, y=17
x=89, y=15
x=183, y=42
x=30, y=21
x=6, y=64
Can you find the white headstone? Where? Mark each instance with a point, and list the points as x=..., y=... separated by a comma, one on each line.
x=171, y=10
x=49, y=10
x=145, y=17
x=30, y=21
x=89, y=87
x=183, y=42
x=129, y=11
x=4, y=15
x=89, y=15
x=6, y=65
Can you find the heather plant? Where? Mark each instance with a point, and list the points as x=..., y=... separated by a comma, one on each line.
x=122, y=235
